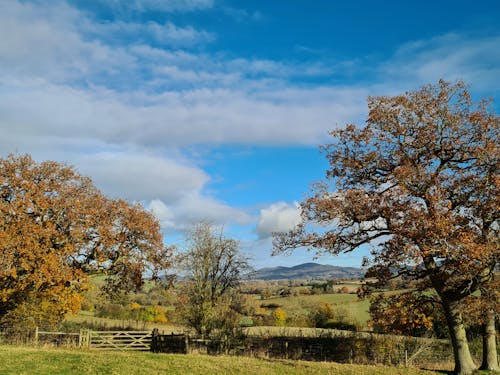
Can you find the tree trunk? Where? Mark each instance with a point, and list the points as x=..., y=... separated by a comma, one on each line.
x=490, y=360
x=464, y=364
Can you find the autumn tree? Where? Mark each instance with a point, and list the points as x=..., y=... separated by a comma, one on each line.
x=419, y=183
x=56, y=228
x=213, y=266
x=409, y=313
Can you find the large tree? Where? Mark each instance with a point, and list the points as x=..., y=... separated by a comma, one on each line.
x=213, y=266
x=56, y=228
x=420, y=184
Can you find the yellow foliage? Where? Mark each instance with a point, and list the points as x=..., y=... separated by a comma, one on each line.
x=134, y=306
x=279, y=316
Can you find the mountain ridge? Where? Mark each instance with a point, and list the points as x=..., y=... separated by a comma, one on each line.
x=308, y=270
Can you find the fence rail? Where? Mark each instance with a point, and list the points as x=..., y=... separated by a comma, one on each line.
x=86, y=338
x=116, y=340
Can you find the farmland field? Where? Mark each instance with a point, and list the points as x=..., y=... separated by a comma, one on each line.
x=355, y=308
x=28, y=360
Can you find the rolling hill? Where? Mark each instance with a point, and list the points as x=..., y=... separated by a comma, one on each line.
x=307, y=271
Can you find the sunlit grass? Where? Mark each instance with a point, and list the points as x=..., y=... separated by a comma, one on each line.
x=355, y=309
x=28, y=360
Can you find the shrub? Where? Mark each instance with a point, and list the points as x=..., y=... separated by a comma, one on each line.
x=279, y=316
x=112, y=311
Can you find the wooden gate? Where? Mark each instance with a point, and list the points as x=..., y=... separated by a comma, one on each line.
x=117, y=340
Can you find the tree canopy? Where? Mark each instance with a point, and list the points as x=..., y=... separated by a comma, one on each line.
x=420, y=184
x=56, y=228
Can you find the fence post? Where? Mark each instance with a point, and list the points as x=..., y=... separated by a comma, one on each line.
x=155, y=341
x=36, y=335
x=406, y=357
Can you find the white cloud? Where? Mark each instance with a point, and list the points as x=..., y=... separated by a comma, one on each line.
x=450, y=56
x=58, y=82
x=278, y=217
x=167, y=34
x=195, y=208
x=240, y=14
x=205, y=116
x=138, y=176
x=162, y=213
x=119, y=99
x=174, y=188
x=45, y=42
x=158, y=5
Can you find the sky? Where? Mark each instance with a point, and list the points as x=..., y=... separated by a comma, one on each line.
x=214, y=109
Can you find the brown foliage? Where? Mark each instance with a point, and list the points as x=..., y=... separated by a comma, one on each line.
x=421, y=182
x=407, y=313
x=56, y=228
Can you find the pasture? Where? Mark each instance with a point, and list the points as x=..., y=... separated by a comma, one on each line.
x=28, y=360
x=355, y=309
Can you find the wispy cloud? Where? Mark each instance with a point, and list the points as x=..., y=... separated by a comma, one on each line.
x=158, y=5
x=452, y=56
x=240, y=14
x=167, y=34
x=119, y=99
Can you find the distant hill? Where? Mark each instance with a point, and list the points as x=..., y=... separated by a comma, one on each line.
x=307, y=271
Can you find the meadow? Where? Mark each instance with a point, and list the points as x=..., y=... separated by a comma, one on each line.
x=38, y=361
x=353, y=307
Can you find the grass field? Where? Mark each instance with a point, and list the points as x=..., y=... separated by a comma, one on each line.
x=28, y=360
x=355, y=308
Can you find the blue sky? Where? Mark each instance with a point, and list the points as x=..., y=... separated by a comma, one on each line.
x=211, y=109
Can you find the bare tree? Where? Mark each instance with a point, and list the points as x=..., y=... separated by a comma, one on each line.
x=213, y=265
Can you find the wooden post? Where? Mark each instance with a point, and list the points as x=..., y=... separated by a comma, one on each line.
x=406, y=357
x=36, y=335
x=155, y=341
x=80, y=338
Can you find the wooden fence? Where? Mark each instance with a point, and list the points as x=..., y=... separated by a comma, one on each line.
x=57, y=338
x=116, y=340
x=348, y=347
x=365, y=349
x=101, y=340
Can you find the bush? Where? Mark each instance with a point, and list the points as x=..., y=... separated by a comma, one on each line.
x=112, y=311
x=320, y=315
x=279, y=317
x=331, y=324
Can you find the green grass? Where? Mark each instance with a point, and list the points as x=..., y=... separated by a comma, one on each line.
x=28, y=360
x=355, y=308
